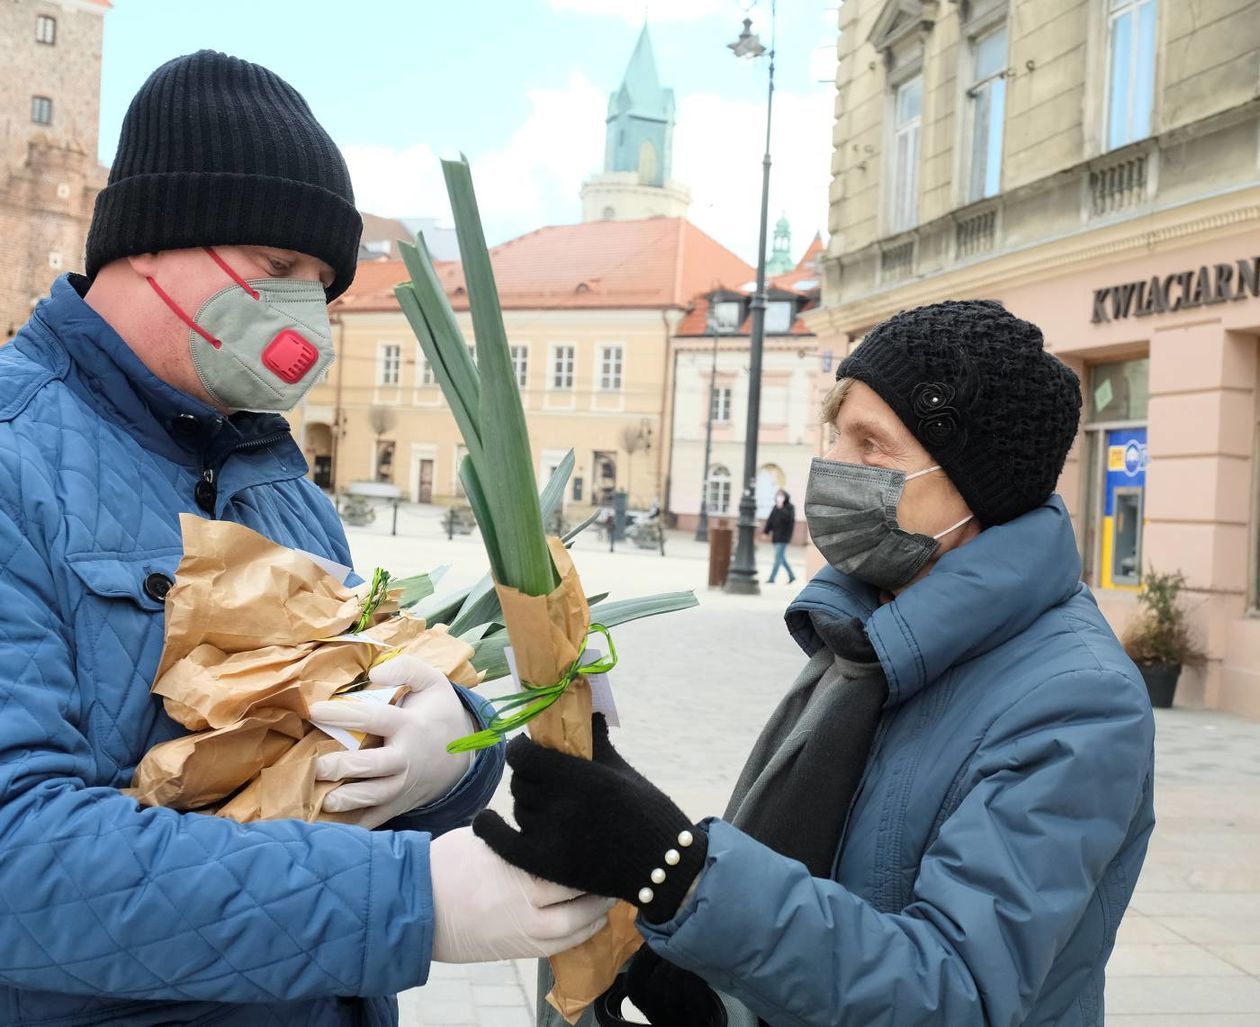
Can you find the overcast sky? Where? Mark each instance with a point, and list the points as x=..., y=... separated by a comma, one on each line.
x=522, y=88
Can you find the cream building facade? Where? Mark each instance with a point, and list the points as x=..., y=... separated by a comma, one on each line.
x=709, y=379
x=589, y=310
x=1093, y=164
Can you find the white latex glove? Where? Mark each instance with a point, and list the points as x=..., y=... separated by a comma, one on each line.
x=485, y=909
x=412, y=768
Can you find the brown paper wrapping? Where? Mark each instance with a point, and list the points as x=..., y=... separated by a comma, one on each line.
x=245, y=656
x=548, y=633
x=237, y=590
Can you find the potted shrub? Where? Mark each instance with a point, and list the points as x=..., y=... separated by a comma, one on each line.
x=1159, y=640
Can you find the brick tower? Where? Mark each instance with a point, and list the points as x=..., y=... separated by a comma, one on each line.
x=49, y=122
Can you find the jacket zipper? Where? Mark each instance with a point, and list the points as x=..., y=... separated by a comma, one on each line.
x=210, y=475
x=266, y=440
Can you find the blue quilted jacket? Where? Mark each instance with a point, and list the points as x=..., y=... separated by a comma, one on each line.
x=114, y=914
x=1002, y=819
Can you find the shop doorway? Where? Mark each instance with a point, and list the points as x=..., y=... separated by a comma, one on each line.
x=424, y=486
x=604, y=478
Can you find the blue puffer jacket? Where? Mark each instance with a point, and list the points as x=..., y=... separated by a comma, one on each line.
x=113, y=914
x=998, y=831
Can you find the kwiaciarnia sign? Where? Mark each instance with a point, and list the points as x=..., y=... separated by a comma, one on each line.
x=1181, y=290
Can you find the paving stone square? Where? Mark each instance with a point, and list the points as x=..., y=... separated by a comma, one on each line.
x=694, y=689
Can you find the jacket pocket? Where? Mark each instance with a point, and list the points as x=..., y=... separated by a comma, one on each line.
x=116, y=628
x=143, y=578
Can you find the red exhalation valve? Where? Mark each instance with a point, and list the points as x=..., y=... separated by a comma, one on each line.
x=289, y=356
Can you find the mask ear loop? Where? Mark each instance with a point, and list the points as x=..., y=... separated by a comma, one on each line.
x=227, y=270
x=954, y=527
x=179, y=312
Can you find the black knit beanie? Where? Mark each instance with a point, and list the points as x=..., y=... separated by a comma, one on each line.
x=977, y=388
x=216, y=151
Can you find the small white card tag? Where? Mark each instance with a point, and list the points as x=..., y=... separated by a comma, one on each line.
x=602, y=700
x=331, y=566
x=354, y=739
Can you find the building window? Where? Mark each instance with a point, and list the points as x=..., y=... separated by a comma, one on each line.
x=1115, y=466
x=719, y=483
x=779, y=317
x=520, y=365
x=987, y=99
x=562, y=367
x=610, y=368
x=41, y=110
x=720, y=408
x=427, y=377
x=907, y=121
x=45, y=29
x=578, y=484
x=1131, y=70
x=727, y=316
x=389, y=364
x=609, y=213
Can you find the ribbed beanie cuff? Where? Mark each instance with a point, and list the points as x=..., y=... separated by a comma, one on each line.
x=149, y=213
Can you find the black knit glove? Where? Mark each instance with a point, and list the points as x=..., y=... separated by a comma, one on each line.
x=670, y=996
x=597, y=825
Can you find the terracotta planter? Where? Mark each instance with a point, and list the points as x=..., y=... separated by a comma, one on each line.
x=1161, y=682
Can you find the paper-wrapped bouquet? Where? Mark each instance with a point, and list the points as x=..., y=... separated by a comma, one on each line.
x=548, y=618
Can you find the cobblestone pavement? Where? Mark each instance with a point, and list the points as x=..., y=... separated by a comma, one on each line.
x=693, y=690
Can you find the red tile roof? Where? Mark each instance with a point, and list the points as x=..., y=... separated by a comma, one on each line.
x=657, y=262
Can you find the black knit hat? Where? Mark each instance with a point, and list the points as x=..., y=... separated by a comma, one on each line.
x=977, y=388
x=216, y=151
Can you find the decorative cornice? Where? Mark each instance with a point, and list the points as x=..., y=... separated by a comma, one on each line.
x=1034, y=262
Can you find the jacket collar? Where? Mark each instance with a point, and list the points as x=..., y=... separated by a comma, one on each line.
x=80, y=346
x=975, y=598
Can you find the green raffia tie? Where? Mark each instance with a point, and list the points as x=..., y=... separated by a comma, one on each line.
x=376, y=595
x=517, y=710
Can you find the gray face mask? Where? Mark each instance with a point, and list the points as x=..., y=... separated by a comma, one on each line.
x=851, y=510
x=260, y=344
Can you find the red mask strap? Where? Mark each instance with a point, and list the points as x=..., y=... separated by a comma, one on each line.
x=227, y=270
x=179, y=312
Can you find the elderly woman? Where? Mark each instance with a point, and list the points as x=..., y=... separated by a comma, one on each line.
x=943, y=821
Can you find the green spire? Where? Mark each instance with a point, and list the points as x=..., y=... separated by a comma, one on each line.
x=641, y=91
x=641, y=119
x=781, y=254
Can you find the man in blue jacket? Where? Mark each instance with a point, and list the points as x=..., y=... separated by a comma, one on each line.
x=944, y=820
x=144, y=391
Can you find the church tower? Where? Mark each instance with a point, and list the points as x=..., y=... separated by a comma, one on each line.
x=638, y=149
x=781, y=252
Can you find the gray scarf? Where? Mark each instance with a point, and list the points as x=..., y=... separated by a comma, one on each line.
x=797, y=785
x=798, y=782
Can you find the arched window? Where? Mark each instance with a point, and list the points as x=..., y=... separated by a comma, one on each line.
x=647, y=163
x=719, y=497
x=609, y=213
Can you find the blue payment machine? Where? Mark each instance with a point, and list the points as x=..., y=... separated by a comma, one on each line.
x=1124, y=508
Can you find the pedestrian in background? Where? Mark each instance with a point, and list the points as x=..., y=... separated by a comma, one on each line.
x=779, y=527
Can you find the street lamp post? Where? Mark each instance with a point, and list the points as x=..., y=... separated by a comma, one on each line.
x=743, y=573
x=702, y=527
